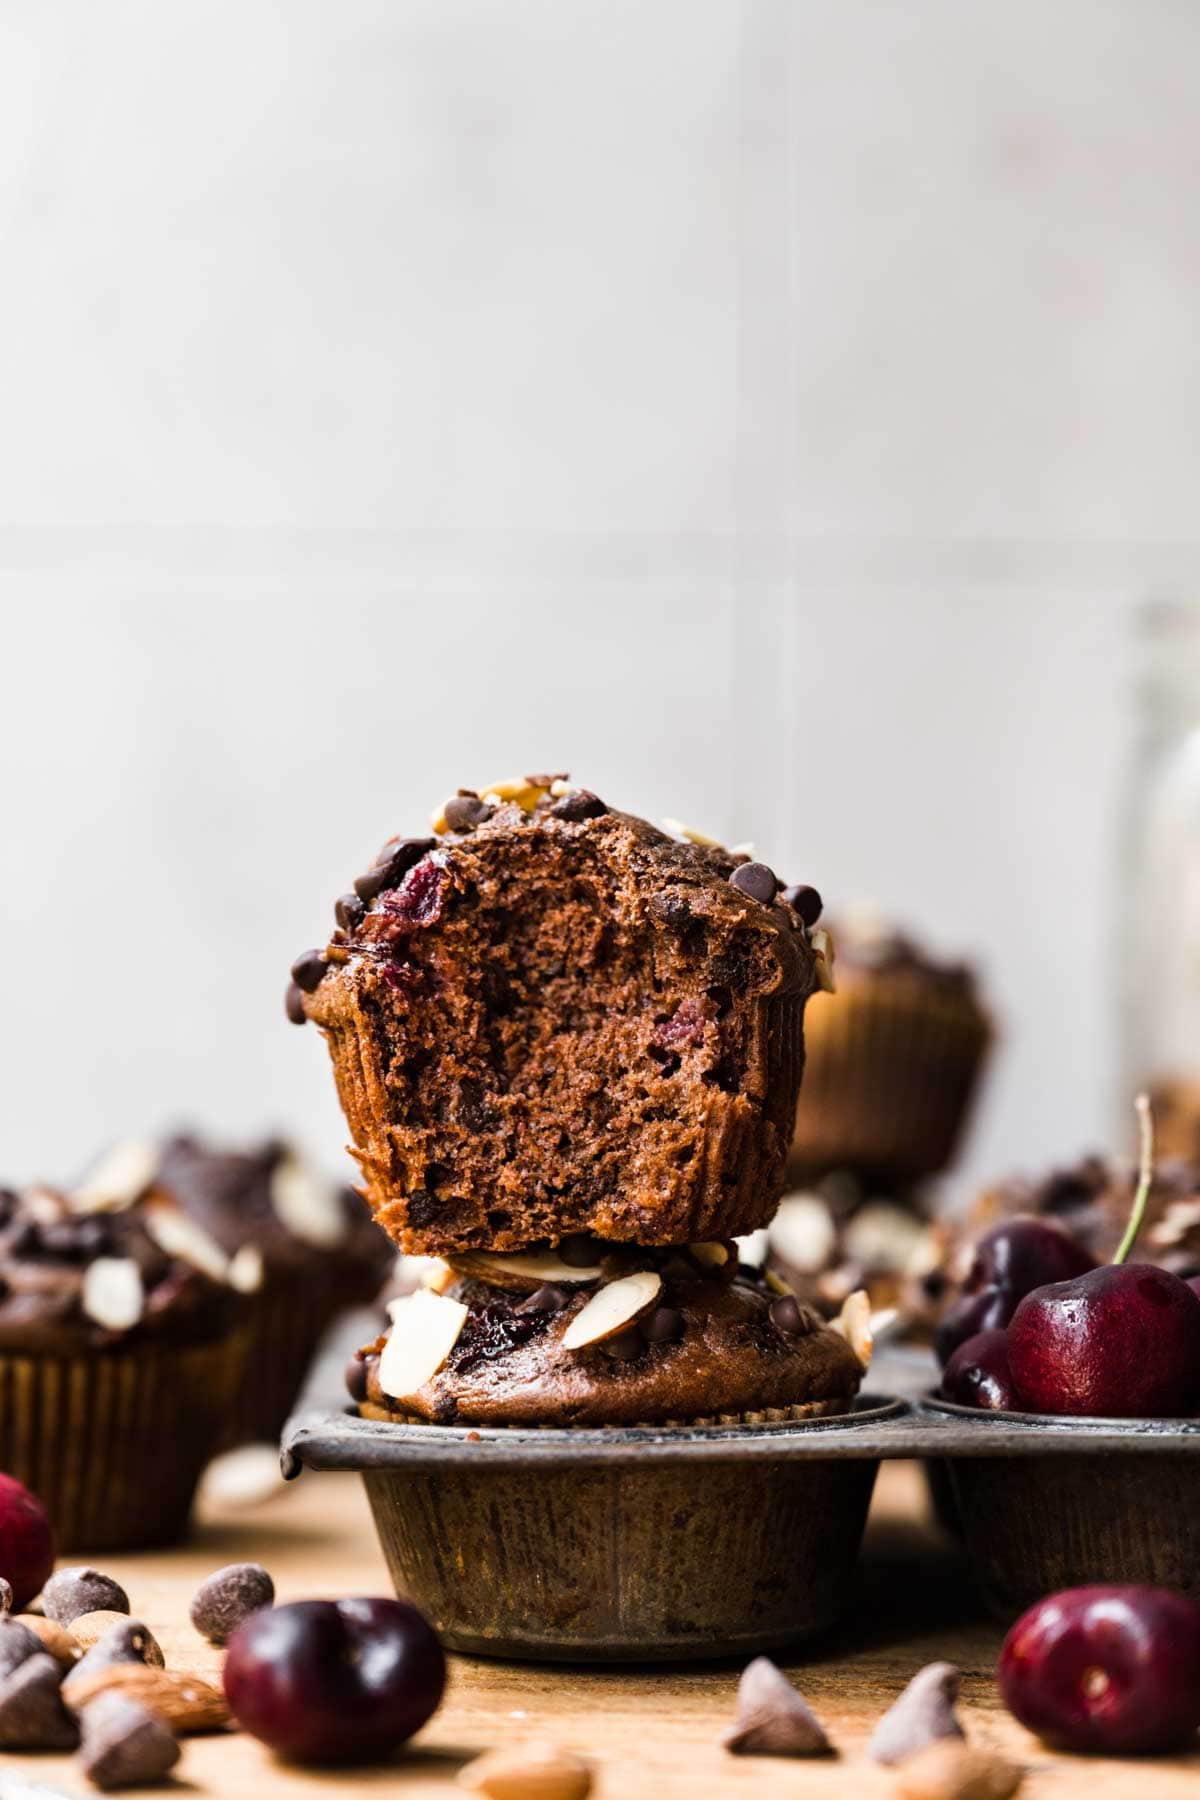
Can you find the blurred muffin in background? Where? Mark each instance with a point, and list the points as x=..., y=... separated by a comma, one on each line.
x=1092, y=1200
x=123, y=1348
x=301, y=1248
x=893, y=1061
x=1175, y=1104
x=837, y=1236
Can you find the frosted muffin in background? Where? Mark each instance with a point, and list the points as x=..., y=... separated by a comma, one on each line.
x=893, y=1061
x=300, y=1248
x=122, y=1352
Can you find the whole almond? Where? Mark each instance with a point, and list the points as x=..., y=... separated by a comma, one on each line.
x=62, y=1644
x=949, y=1770
x=184, y=1702
x=89, y=1628
x=528, y=1772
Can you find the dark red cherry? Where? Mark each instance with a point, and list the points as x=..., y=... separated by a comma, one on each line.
x=1122, y=1342
x=1010, y=1260
x=978, y=1374
x=1109, y=1670
x=326, y=1681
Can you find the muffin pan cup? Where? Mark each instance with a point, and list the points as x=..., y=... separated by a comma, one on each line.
x=1045, y=1503
x=646, y=1544
x=632, y=1544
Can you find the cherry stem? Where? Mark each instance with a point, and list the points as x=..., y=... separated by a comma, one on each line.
x=1145, y=1177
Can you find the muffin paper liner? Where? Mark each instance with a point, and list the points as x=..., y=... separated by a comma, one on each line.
x=114, y=1442
x=769, y=1415
x=890, y=1076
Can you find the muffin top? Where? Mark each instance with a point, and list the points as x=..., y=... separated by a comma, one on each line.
x=270, y=1197
x=75, y=1280
x=869, y=948
x=264, y=1203
x=551, y=1016
x=672, y=1335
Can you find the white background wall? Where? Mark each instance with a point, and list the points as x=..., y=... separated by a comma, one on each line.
x=770, y=411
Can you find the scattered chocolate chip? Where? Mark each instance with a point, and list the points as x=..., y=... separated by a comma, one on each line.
x=294, y=1004
x=128, y=1641
x=356, y=1378
x=625, y=1346
x=549, y=1298
x=755, y=879
x=73, y=1591
x=229, y=1596
x=773, y=1717
x=309, y=970
x=124, y=1743
x=464, y=812
x=663, y=1326
x=579, y=1250
x=349, y=912
x=786, y=1315
x=392, y=863
x=6, y=1597
x=32, y=1714
x=17, y=1644
x=804, y=900
x=579, y=805
x=922, y=1715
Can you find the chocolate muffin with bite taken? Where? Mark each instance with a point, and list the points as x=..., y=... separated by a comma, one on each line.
x=551, y=1017
x=568, y=1046
x=120, y=1358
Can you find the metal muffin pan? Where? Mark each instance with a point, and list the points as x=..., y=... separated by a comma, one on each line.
x=618, y=1545
x=680, y=1543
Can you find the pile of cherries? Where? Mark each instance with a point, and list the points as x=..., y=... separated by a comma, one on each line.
x=1039, y=1327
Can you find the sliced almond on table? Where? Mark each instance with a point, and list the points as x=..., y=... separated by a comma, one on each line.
x=949, y=1770
x=528, y=1772
x=178, y=1235
x=249, y=1476
x=616, y=1306
x=854, y=1324
x=521, y=1270
x=425, y=1329
x=112, y=1292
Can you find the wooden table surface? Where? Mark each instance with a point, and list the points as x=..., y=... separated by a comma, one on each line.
x=650, y=1731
